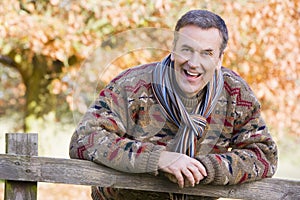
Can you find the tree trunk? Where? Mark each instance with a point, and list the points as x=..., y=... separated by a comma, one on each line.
x=38, y=96
x=37, y=74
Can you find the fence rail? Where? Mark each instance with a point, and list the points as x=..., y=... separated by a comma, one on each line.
x=23, y=170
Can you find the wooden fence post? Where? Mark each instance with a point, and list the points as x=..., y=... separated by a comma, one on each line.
x=21, y=144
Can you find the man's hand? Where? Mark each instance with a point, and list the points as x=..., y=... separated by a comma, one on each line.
x=182, y=166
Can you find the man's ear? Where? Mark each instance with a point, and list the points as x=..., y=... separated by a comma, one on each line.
x=220, y=61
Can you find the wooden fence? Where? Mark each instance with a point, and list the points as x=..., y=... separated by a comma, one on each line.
x=22, y=168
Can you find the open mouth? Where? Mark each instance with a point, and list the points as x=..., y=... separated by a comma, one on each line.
x=191, y=74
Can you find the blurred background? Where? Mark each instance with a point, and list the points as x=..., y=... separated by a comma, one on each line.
x=55, y=55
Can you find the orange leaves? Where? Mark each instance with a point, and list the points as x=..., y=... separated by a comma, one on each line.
x=264, y=44
x=51, y=32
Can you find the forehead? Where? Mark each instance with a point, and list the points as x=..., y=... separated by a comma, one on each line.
x=197, y=37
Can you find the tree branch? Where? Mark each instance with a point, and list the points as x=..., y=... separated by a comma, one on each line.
x=6, y=60
x=22, y=7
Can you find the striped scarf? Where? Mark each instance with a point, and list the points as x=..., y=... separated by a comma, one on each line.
x=190, y=126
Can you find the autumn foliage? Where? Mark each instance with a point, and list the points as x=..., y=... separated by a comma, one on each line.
x=264, y=48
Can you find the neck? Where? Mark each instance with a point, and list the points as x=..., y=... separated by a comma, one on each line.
x=189, y=102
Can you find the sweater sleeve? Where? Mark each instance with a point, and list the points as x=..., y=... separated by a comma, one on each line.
x=101, y=137
x=253, y=152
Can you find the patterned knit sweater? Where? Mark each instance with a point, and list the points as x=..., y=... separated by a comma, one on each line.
x=126, y=129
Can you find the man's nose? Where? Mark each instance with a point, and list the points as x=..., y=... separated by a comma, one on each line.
x=194, y=60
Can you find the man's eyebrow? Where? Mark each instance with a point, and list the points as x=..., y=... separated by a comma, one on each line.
x=187, y=46
x=209, y=50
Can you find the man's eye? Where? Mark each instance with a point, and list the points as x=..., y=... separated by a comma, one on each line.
x=186, y=50
x=207, y=53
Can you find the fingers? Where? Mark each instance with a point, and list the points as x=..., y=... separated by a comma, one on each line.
x=188, y=175
x=183, y=167
x=195, y=174
x=191, y=176
x=200, y=167
x=180, y=179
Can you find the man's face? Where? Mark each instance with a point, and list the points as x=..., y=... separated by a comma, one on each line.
x=196, y=56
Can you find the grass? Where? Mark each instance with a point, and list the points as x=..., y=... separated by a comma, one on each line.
x=289, y=153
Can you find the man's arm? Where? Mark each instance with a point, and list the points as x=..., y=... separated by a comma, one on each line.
x=253, y=153
x=101, y=137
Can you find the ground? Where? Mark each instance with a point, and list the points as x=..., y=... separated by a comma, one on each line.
x=48, y=191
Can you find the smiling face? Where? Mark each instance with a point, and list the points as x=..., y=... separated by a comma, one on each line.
x=196, y=57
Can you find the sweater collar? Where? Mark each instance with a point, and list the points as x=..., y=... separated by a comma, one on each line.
x=189, y=103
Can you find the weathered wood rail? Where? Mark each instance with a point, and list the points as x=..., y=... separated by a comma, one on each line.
x=21, y=169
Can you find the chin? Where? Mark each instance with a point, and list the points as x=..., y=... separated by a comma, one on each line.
x=190, y=93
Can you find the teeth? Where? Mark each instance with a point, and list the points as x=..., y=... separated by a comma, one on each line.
x=192, y=74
